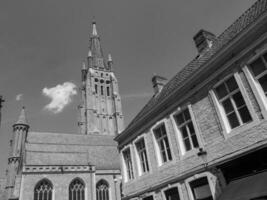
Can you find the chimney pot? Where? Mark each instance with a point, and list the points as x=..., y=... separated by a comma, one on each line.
x=158, y=83
x=203, y=39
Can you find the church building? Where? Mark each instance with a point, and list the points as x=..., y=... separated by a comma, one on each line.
x=81, y=166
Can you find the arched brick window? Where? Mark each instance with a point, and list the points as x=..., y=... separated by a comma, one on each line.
x=102, y=190
x=76, y=190
x=43, y=190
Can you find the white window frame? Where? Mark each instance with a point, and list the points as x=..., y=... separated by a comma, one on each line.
x=124, y=167
x=209, y=177
x=178, y=134
x=255, y=85
x=170, y=186
x=220, y=110
x=156, y=146
x=138, y=159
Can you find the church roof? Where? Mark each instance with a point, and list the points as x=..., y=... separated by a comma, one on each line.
x=72, y=149
x=181, y=78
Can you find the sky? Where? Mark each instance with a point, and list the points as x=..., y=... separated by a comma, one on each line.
x=43, y=43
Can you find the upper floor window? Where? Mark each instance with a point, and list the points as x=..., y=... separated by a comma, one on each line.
x=43, y=190
x=76, y=190
x=259, y=70
x=142, y=155
x=232, y=102
x=128, y=164
x=200, y=189
x=187, y=130
x=163, y=143
x=172, y=194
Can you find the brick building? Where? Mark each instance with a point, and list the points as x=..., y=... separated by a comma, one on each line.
x=80, y=166
x=203, y=134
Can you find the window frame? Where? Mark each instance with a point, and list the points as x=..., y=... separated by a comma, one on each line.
x=178, y=133
x=138, y=159
x=255, y=85
x=156, y=145
x=108, y=185
x=82, y=182
x=49, y=182
x=124, y=166
x=209, y=177
x=170, y=186
x=224, y=123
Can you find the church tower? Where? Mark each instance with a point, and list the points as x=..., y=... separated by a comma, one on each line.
x=101, y=111
x=16, y=155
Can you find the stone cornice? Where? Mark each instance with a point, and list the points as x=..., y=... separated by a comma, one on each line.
x=39, y=169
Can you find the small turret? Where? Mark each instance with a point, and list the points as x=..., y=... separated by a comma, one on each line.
x=16, y=157
x=84, y=72
x=90, y=59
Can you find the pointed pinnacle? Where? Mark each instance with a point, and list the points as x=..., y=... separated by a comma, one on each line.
x=83, y=66
x=109, y=58
x=89, y=53
x=94, y=33
x=22, y=117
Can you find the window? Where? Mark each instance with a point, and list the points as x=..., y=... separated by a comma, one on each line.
x=102, y=90
x=172, y=194
x=108, y=94
x=232, y=101
x=148, y=198
x=102, y=190
x=96, y=88
x=259, y=70
x=142, y=155
x=76, y=190
x=128, y=164
x=43, y=190
x=201, y=189
x=163, y=143
x=187, y=130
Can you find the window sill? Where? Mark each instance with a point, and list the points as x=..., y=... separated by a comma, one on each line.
x=240, y=129
x=190, y=153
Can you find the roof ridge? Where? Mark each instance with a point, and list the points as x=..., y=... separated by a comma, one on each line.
x=240, y=24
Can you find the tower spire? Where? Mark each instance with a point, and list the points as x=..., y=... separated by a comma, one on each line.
x=22, y=117
x=94, y=32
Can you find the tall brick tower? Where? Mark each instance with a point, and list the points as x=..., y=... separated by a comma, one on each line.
x=15, y=160
x=101, y=111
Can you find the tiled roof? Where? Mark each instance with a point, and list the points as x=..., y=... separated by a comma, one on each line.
x=72, y=149
x=242, y=23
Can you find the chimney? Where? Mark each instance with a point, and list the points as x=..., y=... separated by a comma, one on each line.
x=158, y=83
x=203, y=39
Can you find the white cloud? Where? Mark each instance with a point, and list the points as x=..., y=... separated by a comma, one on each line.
x=60, y=95
x=19, y=97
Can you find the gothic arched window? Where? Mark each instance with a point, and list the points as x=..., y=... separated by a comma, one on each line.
x=102, y=190
x=43, y=190
x=76, y=190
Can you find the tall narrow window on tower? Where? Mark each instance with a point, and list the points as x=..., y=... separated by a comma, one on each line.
x=108, y=93
x=102, y=90
x=96, y=87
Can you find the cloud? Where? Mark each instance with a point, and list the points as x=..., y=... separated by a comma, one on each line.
x=19, y=97
x=137, y=95
x=60, y=95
